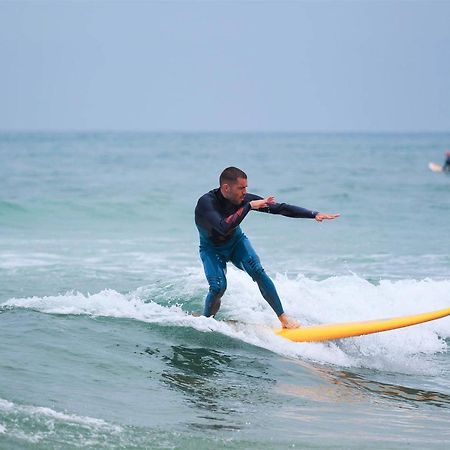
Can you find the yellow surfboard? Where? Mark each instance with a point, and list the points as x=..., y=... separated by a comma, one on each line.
x=329, y=332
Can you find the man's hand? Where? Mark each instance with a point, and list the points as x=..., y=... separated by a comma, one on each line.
x=322, y=216
x=258, y=204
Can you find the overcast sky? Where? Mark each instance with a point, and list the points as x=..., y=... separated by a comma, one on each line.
x=225, y=65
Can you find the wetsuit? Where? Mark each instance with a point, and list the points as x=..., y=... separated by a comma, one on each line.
x=446, y=166
x=222, y=240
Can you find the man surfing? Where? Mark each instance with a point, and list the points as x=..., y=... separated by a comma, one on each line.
x=446, y=166
x=218, y=215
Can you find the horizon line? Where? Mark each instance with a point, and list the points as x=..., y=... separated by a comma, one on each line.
x=199, y=131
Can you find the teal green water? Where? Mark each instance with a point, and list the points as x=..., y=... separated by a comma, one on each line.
x=99, y=267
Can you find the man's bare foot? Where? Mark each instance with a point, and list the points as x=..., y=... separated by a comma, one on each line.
x=286, y=322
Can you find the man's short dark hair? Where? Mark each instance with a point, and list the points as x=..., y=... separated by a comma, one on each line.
x=230, y=175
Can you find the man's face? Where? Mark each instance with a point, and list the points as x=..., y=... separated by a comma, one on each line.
x=235, y=192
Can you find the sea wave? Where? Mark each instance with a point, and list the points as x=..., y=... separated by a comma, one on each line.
x=37, y=424
x=336, y=299
x=8, y=207
x=10, y=407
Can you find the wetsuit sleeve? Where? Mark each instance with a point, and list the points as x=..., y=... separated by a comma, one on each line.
x=284, y=209
x=213, y=218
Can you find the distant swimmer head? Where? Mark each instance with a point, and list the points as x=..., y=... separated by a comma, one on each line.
x=233, y=184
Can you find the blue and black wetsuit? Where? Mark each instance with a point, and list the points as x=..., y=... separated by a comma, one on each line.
x=446, y=166
x=222, y=240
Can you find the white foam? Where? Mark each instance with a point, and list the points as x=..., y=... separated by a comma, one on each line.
x=5, y=405
x=29, y=410
x=337, y=299
x=350, y=298
x=49, y=420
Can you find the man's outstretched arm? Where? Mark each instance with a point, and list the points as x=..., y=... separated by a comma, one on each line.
x=269, y=205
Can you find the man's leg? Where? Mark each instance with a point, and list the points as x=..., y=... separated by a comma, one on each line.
x=215, y=269
x=244, y=257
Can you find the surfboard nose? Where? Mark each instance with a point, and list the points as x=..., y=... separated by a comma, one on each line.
x=329, y=332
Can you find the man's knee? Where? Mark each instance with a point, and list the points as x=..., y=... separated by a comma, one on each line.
x=217, y=286
x=254, y=268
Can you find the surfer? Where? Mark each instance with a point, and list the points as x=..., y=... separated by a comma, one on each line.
x=218, y=215
x=446, y=166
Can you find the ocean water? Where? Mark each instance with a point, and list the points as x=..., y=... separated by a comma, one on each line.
x=99, y=270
